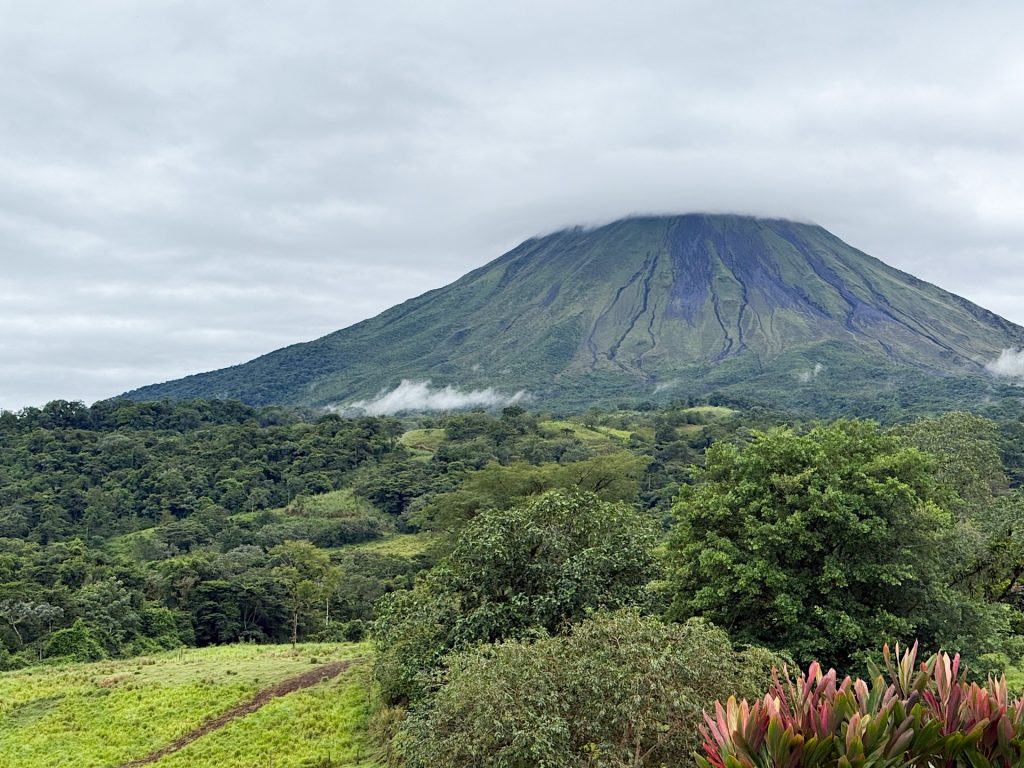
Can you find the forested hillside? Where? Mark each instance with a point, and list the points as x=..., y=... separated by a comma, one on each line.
x=129, y=527
x=512, y=566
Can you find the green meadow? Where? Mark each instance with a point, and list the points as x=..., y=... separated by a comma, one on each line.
x=109, y=713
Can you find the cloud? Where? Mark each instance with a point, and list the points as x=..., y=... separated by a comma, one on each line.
x=666, y=385
x=419, y=396
x=806, y=377
x=1009, y=364
x=274, y=172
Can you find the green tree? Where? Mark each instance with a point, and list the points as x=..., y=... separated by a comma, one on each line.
x=824, y=544
x=620, y=690
x=78, y=643
x=966, y=448
x=516, y=573
x=610, y=477
x=301, y=569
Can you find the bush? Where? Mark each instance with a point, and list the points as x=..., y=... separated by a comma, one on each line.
x=926, y=716
x=824, y=544
x=515, y=573
x=622, y=689
x=78, y=642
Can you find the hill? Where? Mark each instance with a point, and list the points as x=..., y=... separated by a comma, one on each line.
x=649, y=308
x=233, y=705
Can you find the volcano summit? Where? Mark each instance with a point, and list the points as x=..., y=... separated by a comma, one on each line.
x=647, y=308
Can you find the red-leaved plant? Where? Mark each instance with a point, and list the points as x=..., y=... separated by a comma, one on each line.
x=927, y=715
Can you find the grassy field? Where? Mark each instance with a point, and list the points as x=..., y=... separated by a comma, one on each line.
x=423, y=442
x=108, y=713
x=596, y=438
x=407, y=545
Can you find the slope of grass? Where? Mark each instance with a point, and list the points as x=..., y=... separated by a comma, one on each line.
x=105, y=714
x=340, y=503
x=408, y=545
x=423, y=442
x=597, y=438
x=320, y=726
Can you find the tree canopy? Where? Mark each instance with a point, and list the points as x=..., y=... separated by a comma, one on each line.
x=529, y=570
x=619, y=690
x=826, y=544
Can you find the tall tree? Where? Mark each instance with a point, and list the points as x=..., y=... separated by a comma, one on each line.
x=515, y=573
x=301, y=569
x=824, y=544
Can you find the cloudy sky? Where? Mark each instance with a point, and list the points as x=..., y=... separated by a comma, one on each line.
x=186, y=185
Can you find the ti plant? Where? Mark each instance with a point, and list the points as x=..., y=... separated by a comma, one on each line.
x=926, y=716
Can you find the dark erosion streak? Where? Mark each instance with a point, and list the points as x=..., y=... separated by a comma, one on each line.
x=611, y=305
x=651, y=264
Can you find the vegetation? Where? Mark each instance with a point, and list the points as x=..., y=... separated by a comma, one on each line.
x=514, y=573
x=619, y=690
x=103, y=714
x=823, y=543
x=570, y=591
x=926, y=716
x=322, y=726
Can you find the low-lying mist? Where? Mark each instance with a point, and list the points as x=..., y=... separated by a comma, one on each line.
x=420, y=396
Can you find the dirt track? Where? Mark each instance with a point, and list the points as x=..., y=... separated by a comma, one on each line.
x=305, y=680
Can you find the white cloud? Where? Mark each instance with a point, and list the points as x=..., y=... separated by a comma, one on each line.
x=279, y=171
x=1009, y=364
x=666, y=385
x=806, y=377
x=419, y=396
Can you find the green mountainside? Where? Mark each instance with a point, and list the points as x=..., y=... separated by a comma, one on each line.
x=652, y=308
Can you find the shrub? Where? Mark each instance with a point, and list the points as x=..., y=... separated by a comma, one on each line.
x=622, y=689
x=929, y=715
x=824, y=544
x=77, y=643
x=515, y=573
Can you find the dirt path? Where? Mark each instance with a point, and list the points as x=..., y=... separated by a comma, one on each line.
x=305, y=680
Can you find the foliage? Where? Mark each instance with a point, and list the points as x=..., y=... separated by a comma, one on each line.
x=513, y=573
x=71, y=471
x=75, y=643
x=152, y=523
x=926, y=716
x=611, y=477
x=994, y=567
x=822, y=544
x=302, y=572
x=620, y=690
x=966, y=449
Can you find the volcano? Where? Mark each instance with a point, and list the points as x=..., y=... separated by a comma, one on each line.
x=649, y=308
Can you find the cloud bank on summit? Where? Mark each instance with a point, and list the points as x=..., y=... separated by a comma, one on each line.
x=420, y=396
x=187, y=186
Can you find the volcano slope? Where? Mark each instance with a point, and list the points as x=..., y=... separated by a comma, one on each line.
x=652, y=308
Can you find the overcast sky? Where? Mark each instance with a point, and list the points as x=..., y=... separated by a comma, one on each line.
x=187, y=185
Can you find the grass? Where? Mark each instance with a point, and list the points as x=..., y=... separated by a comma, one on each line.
x=124, y=544
x=711, y=411
x=320, y=726
x=597, y=438
x=105, y=714
x=408, y=545
x=1015, y=678
x=423, y=439
x=340, y=503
